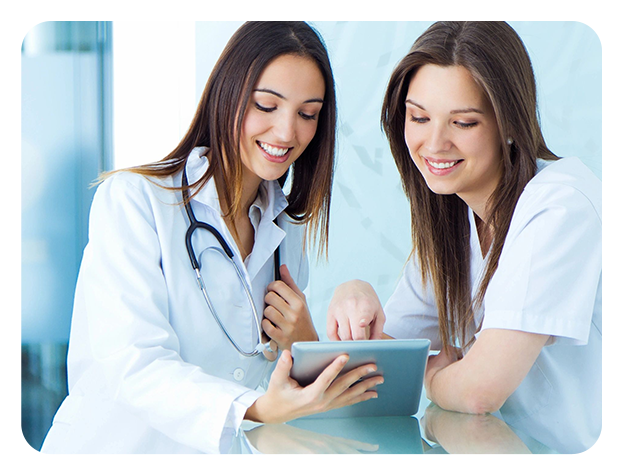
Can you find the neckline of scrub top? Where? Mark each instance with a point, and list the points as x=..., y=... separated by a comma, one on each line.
x=474, y=238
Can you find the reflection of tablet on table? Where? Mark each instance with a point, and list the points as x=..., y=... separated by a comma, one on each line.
x=401, y=362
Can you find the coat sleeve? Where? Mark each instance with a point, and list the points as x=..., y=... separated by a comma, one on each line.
x=411, y=311
x=130, y=352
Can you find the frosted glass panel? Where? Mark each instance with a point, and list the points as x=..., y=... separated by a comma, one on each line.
x=62, y=153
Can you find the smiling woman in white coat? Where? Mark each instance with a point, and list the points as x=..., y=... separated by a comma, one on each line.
x=505, y=273
x=155, y=365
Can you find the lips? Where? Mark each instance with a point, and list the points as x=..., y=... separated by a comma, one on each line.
x=274, y=153
x=441, y=167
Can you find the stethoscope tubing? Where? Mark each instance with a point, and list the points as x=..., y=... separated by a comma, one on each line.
x=194, y=224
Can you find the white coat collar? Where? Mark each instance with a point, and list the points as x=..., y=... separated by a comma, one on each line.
x=271, y=200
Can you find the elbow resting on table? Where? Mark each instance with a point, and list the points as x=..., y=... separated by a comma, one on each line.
x=484, y=401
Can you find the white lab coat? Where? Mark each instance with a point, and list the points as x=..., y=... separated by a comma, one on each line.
x=548, y=281
x=149, y=370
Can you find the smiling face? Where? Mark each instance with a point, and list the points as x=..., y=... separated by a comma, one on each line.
x=452, y=134
x=281, y=117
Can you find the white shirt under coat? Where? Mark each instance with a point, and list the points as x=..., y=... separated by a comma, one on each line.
x=548, y=282
x=149, y=370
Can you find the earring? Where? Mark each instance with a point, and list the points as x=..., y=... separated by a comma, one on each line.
x=509, y=141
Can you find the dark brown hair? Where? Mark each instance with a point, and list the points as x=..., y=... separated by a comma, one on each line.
x=496, y=58
x=218, y=121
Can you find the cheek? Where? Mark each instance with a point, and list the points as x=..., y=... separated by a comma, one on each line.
x=413, y=141
x=485, y=146
x=252, y=125
x=307, y=133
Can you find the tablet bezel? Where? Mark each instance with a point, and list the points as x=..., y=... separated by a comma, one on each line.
x=401, y=362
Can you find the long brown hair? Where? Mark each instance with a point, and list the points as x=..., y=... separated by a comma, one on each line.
x=496, y=58
x=218, y=121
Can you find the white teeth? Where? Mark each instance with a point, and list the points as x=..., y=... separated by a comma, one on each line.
x=443, y=164
x=274, y=151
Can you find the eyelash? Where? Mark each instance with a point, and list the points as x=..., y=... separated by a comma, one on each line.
x=462, y=125
x=419, y=120
x=308, y=117
x=264, y=109
x=271, y=109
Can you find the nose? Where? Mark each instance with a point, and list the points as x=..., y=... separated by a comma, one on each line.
x=438, y=139
x=284, y=127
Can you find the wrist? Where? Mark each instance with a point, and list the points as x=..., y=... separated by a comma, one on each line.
x=261, y=411
x=254, y=411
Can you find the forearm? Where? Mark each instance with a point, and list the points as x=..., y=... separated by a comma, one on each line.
x=489, y=373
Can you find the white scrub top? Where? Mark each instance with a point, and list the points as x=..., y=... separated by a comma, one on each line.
x=548, y=281
x=149, y=370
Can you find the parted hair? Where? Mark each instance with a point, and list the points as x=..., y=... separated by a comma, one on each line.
x=218, y=121
x=498, y=61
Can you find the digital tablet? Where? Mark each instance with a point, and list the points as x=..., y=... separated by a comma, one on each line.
x=401, y=362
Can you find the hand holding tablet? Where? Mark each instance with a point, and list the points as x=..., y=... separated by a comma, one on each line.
x=401, y=362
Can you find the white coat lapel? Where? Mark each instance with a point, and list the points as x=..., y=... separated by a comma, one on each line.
x=269, y=235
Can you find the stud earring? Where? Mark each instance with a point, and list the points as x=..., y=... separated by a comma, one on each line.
x=509, y=141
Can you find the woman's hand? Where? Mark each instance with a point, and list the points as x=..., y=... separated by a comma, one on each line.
x=285, y=399
x=287, y=315
x=355, y=313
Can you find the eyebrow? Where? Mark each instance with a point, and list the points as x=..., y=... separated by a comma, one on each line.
x=281, y=96
x=466, y=110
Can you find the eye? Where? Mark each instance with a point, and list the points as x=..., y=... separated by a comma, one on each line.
x=308, y=116
x=261, y=108
x=466, y=125
x=419, y=120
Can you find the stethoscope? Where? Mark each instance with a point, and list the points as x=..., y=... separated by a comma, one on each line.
x=268, y=350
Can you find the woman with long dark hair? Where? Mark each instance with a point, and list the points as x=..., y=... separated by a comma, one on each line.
x=190, y=285
x=505, y=272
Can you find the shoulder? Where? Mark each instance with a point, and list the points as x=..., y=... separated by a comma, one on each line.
x=127, y=186
x=564, y=186
x=133, y=199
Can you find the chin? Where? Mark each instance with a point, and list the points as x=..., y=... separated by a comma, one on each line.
x=270, y=175
x=441, y=188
